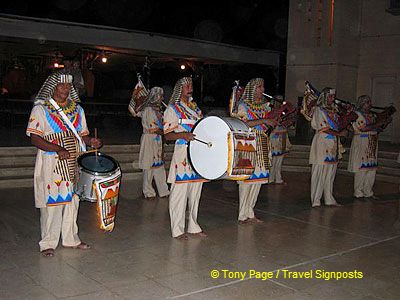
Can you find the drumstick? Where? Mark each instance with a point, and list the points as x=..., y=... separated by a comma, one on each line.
x=95, y=136
x=209, y=144
x=81, y=153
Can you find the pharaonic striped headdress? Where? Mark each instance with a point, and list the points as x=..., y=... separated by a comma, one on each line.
x=177, y=92
x=155, y=97
x=249, y=90
x=323, y=97
x=49, y=86
x=362, y=100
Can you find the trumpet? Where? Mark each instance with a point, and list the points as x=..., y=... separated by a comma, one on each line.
x=237, y=92
x=274, y=99
x=344, y=103
x=385, y=116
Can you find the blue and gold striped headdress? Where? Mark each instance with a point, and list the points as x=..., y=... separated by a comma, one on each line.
x=177, y=92
x=249, y=90
x=49, y=86
x=323, y=97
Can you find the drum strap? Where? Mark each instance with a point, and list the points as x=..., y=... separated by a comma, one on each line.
x=69, y=124
x=186, y=121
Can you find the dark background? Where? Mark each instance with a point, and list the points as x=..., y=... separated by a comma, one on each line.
x=247, y=23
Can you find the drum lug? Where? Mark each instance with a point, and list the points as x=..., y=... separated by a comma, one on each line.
x=91, y=192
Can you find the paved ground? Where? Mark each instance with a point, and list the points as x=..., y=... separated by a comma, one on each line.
x=140, y=260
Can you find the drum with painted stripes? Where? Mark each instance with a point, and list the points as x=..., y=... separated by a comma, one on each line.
x=225, y=148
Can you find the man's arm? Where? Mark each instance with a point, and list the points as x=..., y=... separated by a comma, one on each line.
x=92, y=142
x=269, y=122
x=375, y=126
x=44, y=145
x=335, y=133
x=173, y=136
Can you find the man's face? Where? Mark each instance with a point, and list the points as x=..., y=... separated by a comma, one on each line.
x=331, y=98
x=187, y=91
x=258, y=93
x=67, y=64
x=367, y=105
x=61, y=92
x=160, y=98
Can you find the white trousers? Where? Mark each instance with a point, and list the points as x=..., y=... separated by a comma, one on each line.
x=276, y=167
x=183, y=194
x=248, y=194
x=160, y=178
x=322, y=178
x=363, y=183
x=60, y=219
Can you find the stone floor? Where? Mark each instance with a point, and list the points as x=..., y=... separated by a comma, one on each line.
x=139, y=260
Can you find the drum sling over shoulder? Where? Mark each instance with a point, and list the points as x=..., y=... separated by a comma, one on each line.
x=69, y=124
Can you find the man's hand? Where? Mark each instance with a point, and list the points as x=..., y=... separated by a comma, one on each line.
x=343, y=133
x=63, y=154
x=187, y=136
x=95, y=143
x=271, y=122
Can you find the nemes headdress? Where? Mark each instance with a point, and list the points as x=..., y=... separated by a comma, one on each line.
x=362, y=100
x=49, y=86
x=155, y=97
x=249, y=90
x=323, y=97
x=177, y=92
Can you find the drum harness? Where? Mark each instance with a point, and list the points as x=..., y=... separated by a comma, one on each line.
x=69, y=124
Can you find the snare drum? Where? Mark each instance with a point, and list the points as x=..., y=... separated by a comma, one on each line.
x=99, y=181
x=92, y=169
x=229, y=151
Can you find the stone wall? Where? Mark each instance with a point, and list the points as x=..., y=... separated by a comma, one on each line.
x=359, y=56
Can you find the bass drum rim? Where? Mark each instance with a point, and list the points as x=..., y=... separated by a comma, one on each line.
x=109, y=172
x=229, y=125
x=189, y=156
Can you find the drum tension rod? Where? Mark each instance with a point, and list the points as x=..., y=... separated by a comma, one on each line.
x=209, y=144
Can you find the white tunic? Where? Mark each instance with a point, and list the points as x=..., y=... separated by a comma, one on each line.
x=364, y=146
x=150, y=155
x=53, y=179
x=280, y=143
x=179, y=117
x=324, y=147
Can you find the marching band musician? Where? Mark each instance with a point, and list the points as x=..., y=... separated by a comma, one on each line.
x=150, y=156
x=363, y=160
x=325, y=148
x=58, y=142
x=179, y=119
x=254, y=110
x=280, y=146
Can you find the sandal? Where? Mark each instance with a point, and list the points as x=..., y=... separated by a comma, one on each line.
x=201, y=234
x=244, y=222
x=334, y=205
x=47, y=252
x=182, y=237
x=256, y=220
x=81, y=246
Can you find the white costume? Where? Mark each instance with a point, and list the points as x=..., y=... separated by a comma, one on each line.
x=150, y=156
x=54, y=178
x=181, y=116
x=280, y=146
x=363, y=160
x=324, y=156
x=249, y=189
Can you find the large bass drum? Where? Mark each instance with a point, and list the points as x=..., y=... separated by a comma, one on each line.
x=225, y=149
x=99, y=181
